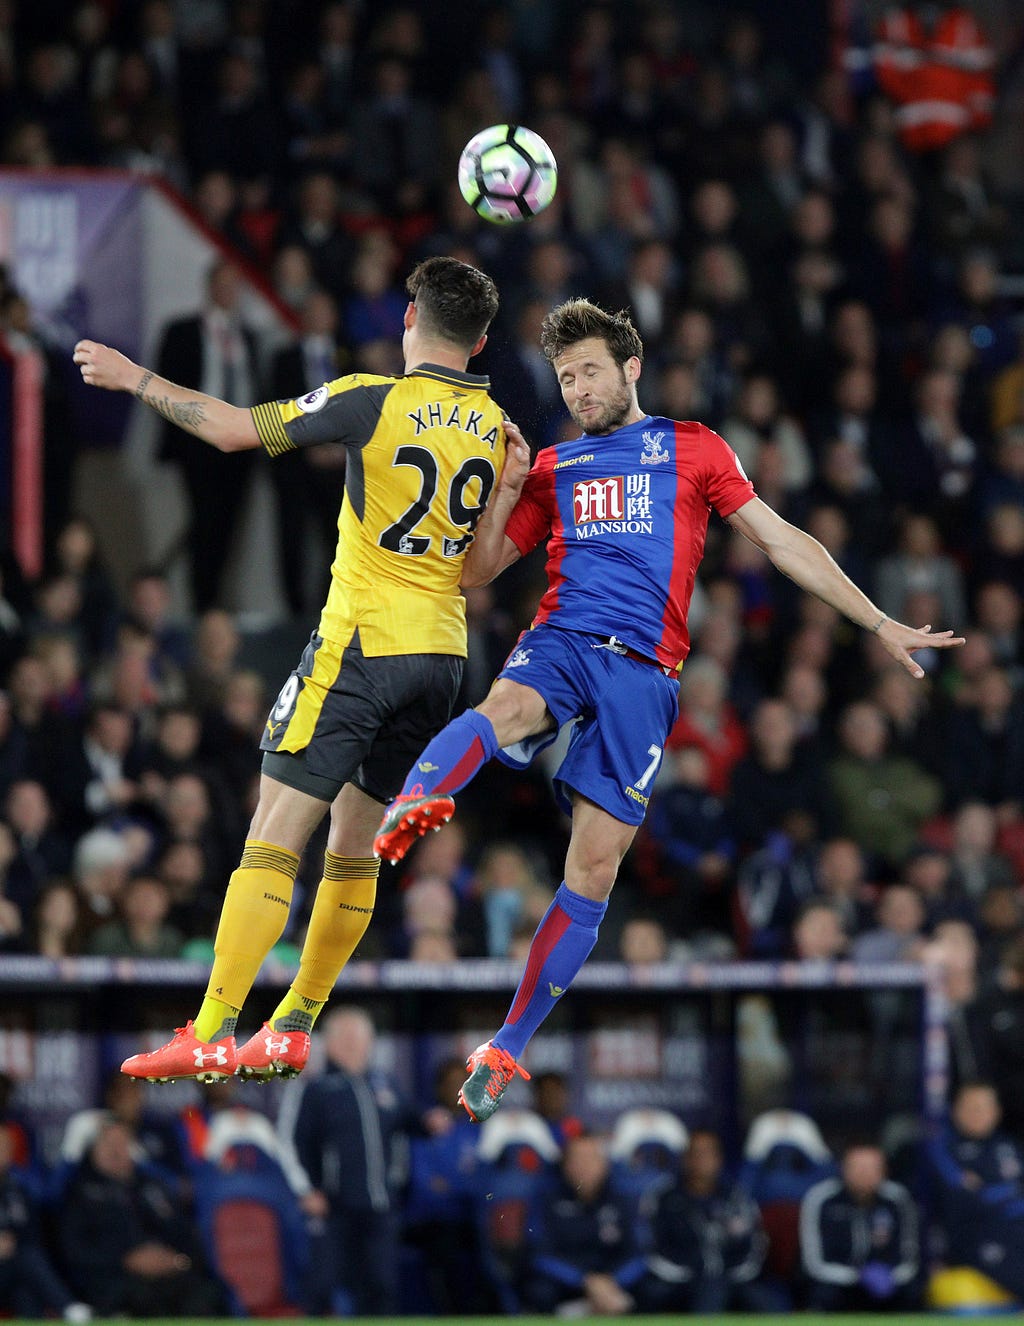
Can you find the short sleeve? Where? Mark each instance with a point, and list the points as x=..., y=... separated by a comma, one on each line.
x=346, y=410
x=530, y=521
x=726, y=485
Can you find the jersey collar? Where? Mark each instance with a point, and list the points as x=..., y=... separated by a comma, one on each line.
x=452, y=376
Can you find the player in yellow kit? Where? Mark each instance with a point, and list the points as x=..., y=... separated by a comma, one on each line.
x=382, y=670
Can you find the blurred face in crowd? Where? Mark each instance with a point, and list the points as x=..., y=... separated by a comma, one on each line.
x=643, y=940
x=976, y=1111
x=111, y=1153
x=348, y=1039
x=818, y=935
x=702, y=1162
x=863, y=1171
x=585, y=1165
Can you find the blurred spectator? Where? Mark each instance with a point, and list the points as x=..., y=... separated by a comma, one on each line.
x=315, y=229
x=76, y=553
x=920, y=564
x=344, y=1127
x=977, y=865
x=649, y=291
x=126, y=1245
x=883, y=799
x=954, y=946
x=510, y=893
x=859, y=1239
x=438, y=1215
x=708, y=722
x=309, y=483
x=643, y=940
x=987, y=735
x=1000, y=921
x=1001, y=1015
x=916, y=718
x=41, y=850
x=707, y=1244
x=999, y=612
x=899, y=935
x=551, y=1100
x=214, y=658
x=777, y=778
x=583, y=1240
x=395, y=140
x=772, y=886
x=97, y=772
x=818, y=932
x=142, y=931
x=213, y=352
x=979, y=1175
x=100, y=867
x=58, y=921
x=29, y=1283
x=155, y=1137
x=150, y=610
x=689, y=830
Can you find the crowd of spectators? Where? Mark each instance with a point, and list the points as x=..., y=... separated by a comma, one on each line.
x=835, y=302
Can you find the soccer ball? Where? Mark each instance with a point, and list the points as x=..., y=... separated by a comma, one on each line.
x=507, y=173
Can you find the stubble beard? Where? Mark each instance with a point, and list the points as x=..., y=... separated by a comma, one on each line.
x=613, y=416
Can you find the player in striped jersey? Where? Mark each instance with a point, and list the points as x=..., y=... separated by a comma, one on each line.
x=381, y=672
x=624, y=509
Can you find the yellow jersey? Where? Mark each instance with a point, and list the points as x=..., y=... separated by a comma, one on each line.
x=424, y=452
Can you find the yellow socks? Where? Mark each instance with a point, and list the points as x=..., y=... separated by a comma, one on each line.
x=252, y=920
x=341, y=913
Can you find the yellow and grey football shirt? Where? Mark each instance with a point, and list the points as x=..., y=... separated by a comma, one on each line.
x=424, y=452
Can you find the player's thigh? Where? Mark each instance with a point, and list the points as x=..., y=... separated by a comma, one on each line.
x=420, y=692
x=616, y=751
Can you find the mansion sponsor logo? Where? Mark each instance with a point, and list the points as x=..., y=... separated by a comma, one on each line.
x=621, y=505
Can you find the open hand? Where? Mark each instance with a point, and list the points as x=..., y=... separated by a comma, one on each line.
x=900, y=642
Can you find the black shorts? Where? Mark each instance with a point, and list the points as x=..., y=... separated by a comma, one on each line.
x=344, y=718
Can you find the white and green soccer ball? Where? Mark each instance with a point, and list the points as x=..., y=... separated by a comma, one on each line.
x=507, y=173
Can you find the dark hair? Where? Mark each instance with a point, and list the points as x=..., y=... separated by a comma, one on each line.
x=454, y=301
x=579, y=320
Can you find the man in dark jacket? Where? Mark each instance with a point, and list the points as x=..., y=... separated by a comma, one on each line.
x=125, y=1242
x=708, y=1245
x=859, y=1238
x=213, y=353
x=344, y=1127
x=584, y=1245
x=979, y=1175
x=29, y=1285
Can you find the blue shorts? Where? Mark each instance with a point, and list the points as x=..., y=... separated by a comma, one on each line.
x=622, y=711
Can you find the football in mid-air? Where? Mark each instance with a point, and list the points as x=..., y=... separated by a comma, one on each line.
x=507, y=173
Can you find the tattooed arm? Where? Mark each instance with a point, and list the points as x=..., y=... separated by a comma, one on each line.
x=226, y=427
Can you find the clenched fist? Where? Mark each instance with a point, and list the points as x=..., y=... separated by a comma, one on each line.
x=104, y=367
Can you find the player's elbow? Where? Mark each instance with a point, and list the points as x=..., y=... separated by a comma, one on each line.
x=474, y=576
x=235, y=433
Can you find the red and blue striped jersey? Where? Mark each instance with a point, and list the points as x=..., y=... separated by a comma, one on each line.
x=626, y=516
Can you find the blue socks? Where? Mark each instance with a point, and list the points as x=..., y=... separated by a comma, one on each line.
x=456, y=755
x=560, y=947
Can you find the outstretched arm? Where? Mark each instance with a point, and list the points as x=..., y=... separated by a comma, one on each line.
x=491, y=550
x=226, y=427
x=803, y=559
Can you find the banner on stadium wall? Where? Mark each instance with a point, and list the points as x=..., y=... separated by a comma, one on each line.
x=73, y=245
